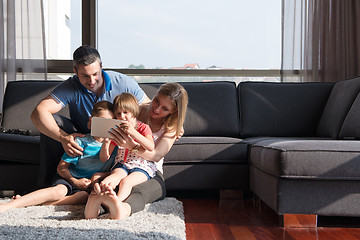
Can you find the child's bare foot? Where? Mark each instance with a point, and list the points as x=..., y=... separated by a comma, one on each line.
x=92, y=208
x=107, y=189
x=117, y=209
x=97, y=188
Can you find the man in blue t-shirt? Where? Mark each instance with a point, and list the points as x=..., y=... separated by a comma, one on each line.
x=89, y=85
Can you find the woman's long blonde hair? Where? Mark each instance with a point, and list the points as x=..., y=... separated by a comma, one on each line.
x=179, y=97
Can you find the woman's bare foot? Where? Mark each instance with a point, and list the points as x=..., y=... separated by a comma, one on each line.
x=117, y=209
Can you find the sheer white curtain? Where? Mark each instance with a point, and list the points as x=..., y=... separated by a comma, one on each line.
x=22, y=42
x=321, y=40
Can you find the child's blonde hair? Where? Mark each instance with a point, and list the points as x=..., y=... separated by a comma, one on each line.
x=179, y=97
x=128, y=102
x=101, y=106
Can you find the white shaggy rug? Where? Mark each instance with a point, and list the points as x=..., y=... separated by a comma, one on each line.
x=160, y=220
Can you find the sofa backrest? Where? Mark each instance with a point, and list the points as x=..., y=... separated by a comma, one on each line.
x=281, y=109
x=337, y=107
x=212, y=109
x=20, y=99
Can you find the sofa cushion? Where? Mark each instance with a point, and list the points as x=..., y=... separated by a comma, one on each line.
x=254, y=140
x=337, y=107
x=285, y=110
x=212, y=109
x=20, y=99
x=351, y=126
x=16, y=148
x=307, y=159
x=208, y=150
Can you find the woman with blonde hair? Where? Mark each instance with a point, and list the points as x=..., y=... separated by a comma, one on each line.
x=165, y=115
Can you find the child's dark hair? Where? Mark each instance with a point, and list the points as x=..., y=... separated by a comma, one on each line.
x=128, y=102
x=101, y=106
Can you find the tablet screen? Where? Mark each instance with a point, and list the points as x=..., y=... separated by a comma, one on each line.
x=100, y=127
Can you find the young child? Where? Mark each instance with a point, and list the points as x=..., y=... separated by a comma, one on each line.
x=130, y=169
x=75, y=174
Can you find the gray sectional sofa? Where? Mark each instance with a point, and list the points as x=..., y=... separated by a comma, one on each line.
x=295, y=145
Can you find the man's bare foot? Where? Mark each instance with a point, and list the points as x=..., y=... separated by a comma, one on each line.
x=117, y=209
x=16, y=196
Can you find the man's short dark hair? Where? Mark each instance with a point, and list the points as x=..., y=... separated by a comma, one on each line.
x=85, y=55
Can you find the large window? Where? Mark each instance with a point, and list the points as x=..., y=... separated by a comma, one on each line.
x=161, y=40
x=188, y=34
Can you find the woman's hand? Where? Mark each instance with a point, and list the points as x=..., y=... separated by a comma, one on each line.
x=128, y=128
x=121, y=138
x=181, y=133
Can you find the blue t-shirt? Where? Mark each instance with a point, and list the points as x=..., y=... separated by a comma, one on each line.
x=89, y=163
x=81, y=101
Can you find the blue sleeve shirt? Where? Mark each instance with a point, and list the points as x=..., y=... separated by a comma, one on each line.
x=81, y=101
x=89, y=163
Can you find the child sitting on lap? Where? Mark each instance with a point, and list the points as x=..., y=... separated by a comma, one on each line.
x=130, y=169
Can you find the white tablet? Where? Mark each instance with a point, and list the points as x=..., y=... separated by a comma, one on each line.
x=100, y=127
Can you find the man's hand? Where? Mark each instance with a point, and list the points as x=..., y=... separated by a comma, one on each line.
x=70, y=146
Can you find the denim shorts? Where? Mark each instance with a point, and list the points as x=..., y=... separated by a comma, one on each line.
x=120, y=165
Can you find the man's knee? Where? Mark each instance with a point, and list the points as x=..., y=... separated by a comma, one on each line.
x=50, y=154
x=59, y=191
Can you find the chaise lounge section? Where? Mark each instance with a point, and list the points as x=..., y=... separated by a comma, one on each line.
x=318, y=174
